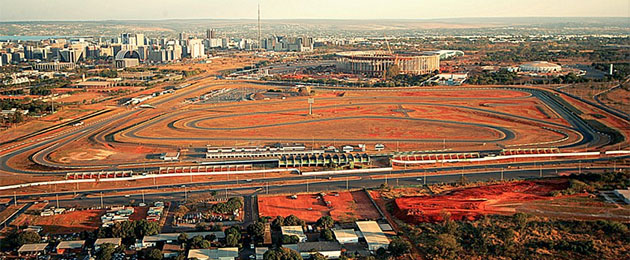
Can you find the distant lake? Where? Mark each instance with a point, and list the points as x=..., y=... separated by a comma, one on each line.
x=35, y=38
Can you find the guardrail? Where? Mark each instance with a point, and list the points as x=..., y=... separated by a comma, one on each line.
x=497, y=158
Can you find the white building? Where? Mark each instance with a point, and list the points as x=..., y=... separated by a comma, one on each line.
x=346, y=236
x=196, y=48
x=294, y=231
x=227, y=253
x=373, y=235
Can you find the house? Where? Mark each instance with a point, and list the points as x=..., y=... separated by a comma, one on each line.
x=373, y=235
x=294, y=231
x=102, y=241
x=171, y=250
x=227, y=253
x=69, y=247
x=346, y=236
x=330, y=249
x=260, y=252
x=29, y=250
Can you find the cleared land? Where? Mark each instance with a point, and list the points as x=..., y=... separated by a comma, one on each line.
x=344, y=207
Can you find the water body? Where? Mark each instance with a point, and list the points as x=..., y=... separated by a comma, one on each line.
x=36, y=38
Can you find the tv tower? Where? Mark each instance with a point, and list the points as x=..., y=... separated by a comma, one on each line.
x=259, y=33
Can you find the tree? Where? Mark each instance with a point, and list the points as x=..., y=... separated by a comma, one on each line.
x=232, y=240
x=293, y=239
x=155, y=254
x=445, y=245
x=326, y=235
x=256, y=230
x=398, y=247
x=318, y=256
x=277, y=223
x=182, y=238
x=292, y=220
x=27, y=237
x=282, y=253
x=106, y=252
x=325, y=222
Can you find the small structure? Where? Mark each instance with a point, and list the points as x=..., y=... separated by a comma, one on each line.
x=170, y=156
x=68, y=247
x=172, y=250
x=624, y=194
x=32, y=249
x=294, y=231
x=373, y=235
x=102, y=241
x=260, y=252
x=540, y=66
x=227, y=253
x=346, y=236
x=330, y=249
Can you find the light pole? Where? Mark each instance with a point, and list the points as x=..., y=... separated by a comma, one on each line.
x=101, y=200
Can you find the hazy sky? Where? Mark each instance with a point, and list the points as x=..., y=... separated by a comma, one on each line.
x=25, y=10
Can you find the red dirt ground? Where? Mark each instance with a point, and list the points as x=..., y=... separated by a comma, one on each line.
x=471, y=203
x=70, y=222
x=347, y=207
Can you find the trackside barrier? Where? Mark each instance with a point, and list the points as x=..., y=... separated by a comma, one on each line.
x=500, y=157
x=618, y=152
x=347, y=171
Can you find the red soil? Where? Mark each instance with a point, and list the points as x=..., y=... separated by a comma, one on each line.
x=346, y=207
x=471, y=203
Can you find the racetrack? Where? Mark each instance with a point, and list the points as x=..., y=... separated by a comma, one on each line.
x=416, y=119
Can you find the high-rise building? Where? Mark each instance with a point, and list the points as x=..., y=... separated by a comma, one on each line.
x=195, y=48
x=71, y=55
x=211, y=34
x=6, y=58
x=28, y=52
x=140, y=39
x=128, y=38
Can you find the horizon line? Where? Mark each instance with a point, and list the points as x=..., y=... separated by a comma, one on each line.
x=321, y=19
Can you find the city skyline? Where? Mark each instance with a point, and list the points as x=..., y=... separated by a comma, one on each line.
x=42, y=10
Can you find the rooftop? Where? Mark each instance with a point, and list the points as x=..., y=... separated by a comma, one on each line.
x=33, y=247
x=227, y=252
x=321, y=246
x=71, y=244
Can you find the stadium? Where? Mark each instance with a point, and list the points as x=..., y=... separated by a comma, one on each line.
x=375, y=63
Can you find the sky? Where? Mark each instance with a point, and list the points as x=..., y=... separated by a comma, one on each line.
x=64, y=10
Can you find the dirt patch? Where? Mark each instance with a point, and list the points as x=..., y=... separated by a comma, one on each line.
x=342, y=206
x=70, y=222
x=471, y=203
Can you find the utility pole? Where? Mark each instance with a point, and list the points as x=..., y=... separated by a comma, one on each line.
x=579, y=167
x=57, y=198
x=501, y=174
x=347, y=180
x=143, y=196
x=185, y=194
x=306, y=185
x=14, y=198
x=101, y=200
x=541, y=171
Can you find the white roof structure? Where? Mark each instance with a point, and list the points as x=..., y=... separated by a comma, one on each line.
x=346, y=236
x=32, y=247
x=374, y=236
x=227, y=253
x=624, y=194
x=294, y=231
x=70, y=244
